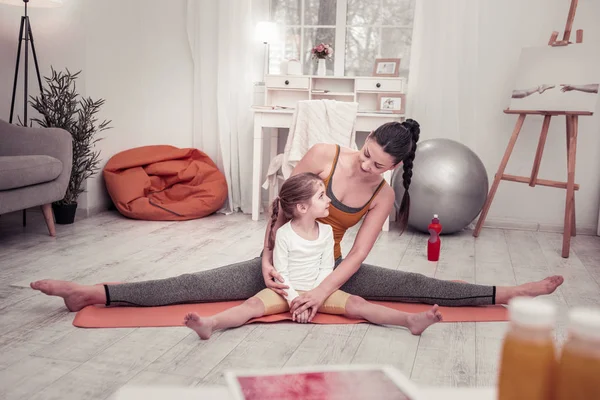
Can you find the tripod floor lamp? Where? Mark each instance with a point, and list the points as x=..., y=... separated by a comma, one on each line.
x=25, y=41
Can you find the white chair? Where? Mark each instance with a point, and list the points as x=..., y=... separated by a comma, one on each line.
x=313, y=121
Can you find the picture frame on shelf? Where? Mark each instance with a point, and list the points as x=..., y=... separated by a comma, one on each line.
x=393, y=103
x=389, y=67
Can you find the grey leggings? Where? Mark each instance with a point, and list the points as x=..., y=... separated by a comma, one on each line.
x=243, y=280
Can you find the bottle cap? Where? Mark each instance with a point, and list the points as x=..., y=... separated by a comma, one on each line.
x=435, y=216
x=585, y=322
x=532, y=312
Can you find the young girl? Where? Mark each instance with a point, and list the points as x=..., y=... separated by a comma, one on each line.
x=303, y=255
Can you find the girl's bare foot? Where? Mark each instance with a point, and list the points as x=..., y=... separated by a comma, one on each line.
x=75, y=296
x=531, y=289
x=201, y=325
x=417, y=323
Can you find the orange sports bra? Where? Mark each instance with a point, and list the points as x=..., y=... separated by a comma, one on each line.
x=341, y=217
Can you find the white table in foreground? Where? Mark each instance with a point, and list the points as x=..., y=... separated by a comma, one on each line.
x=222, y=393
x=365, y=122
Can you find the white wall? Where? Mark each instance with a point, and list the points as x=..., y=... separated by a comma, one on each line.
x=506, y=32
x=57, y=34
x=134, y=54
x=137, y=58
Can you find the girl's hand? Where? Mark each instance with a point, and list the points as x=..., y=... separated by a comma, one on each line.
x=311, y=300
x=273, y=280
x=302, y=317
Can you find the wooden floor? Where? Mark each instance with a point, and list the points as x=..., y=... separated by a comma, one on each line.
x=43, y=356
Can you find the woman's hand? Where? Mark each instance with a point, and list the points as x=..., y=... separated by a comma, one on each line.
x=311, y=301
x=302, y=317
x=274, y=280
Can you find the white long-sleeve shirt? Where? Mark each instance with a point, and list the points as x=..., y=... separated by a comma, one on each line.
x=303, y=263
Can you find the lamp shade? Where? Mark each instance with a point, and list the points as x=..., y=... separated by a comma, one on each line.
x=34, y=3
x=266, y=31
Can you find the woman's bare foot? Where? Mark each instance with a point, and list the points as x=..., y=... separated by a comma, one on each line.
x=417, y=323
x=531, y=289
x=76, y=296
x=201, y=325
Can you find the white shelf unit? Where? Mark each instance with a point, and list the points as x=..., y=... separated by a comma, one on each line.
x=282, y=92
x=287, y=90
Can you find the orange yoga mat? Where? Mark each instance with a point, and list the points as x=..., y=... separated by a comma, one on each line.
x=135, y=317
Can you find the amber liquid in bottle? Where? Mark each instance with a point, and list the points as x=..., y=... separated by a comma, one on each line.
x=528, y=361
x=527, y=366
x=578, y=374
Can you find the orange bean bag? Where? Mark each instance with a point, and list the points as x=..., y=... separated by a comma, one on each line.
x=164, y=183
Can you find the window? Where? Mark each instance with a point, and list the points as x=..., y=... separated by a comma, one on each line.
x=358, y=30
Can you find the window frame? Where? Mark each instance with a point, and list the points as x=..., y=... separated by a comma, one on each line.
x=341, y=28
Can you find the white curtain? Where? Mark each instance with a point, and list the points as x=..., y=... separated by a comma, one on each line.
x=464, y=56
x=443, y=69
x=220, y=35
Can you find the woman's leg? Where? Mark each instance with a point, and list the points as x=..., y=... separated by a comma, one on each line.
x=377, y=283
x=357, y=307
x=238, y=281
x=231, y=318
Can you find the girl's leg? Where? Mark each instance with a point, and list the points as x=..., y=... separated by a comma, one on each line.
x=231, y=318
x=238, y=281
x=377, y=283
x=357, y=307
x=265, y=302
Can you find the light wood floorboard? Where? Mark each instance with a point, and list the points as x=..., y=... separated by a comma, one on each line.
x=43, y=356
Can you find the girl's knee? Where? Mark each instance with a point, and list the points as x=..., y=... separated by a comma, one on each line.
x=256, y=305
x=354, y=305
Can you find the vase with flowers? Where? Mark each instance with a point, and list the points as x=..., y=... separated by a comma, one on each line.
x=321, y=53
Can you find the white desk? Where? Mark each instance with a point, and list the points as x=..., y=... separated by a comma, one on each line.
x=365, y=122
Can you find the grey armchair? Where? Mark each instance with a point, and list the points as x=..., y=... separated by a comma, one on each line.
x=35, y=167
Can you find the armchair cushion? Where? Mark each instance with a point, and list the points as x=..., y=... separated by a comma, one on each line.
x=21, y=171
x=43, y=144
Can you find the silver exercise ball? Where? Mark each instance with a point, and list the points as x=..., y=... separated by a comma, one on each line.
x=449, y=180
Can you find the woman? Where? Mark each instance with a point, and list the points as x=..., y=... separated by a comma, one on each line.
x=356, y=188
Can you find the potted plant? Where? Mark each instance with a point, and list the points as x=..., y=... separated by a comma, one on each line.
x=61, y=106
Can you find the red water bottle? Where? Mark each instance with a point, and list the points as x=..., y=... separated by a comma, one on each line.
x=434, y=242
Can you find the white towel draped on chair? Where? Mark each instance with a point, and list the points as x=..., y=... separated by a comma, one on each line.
x=314, y=121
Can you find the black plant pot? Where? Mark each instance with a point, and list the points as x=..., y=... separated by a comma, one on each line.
x=64, y=213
